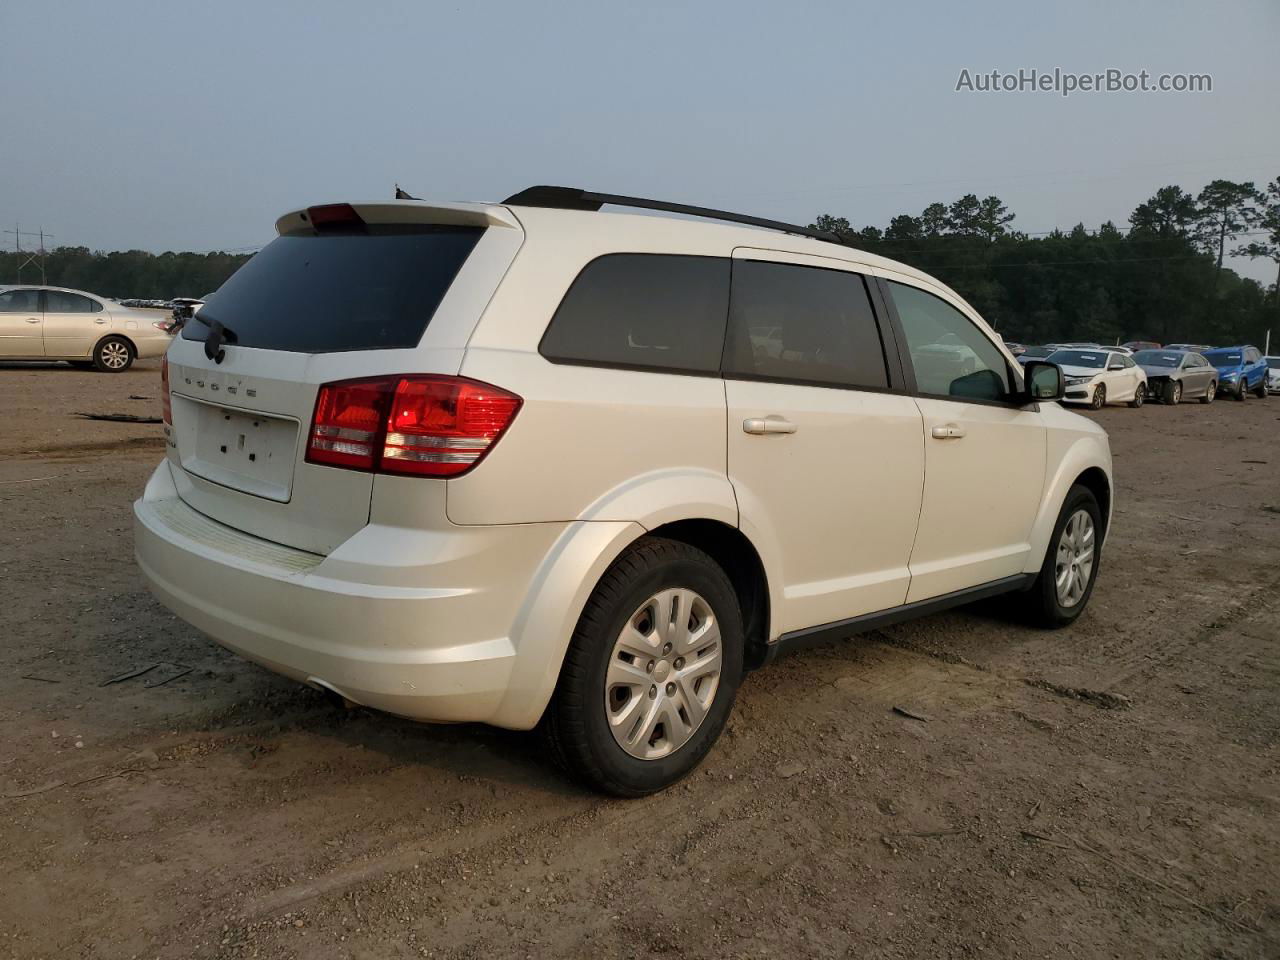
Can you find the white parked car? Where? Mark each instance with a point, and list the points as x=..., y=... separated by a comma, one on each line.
x=533, y=464
x=1273, y=374
x=1099, y=377
x=54, y=323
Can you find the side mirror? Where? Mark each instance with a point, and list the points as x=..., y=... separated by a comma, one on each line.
x=1116, y=366
x=1043, y=381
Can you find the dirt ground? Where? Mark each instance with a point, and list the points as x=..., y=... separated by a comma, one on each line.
x=1111, y=790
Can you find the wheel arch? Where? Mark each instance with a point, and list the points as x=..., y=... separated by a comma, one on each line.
x=738, y=557
x=113, y=335
x=1096, y=482
x=582, y=554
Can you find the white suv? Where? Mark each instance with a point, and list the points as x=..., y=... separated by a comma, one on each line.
x=532, y=464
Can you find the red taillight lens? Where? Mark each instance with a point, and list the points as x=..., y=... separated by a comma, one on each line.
x=433, y=426
x=166, y=409
x=349, y=423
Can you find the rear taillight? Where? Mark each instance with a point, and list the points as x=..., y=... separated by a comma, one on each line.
x=424, y=425
x=166, y=410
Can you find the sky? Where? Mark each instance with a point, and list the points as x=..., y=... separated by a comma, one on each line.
x=183, y=126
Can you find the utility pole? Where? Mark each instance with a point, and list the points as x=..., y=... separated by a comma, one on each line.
x=36, y=256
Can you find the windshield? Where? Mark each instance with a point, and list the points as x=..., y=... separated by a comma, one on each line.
x=1157, y=358
x=1037, y=352
x=1223, y=358
x=1273, y=363
x=320, y=294
x=1079, y=358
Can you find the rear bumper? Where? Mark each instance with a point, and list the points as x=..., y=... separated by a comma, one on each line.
x=360, y=621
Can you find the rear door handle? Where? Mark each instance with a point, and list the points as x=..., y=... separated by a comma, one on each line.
x=33, y=319
x=948, y=431
x=770, y=424
x=99, y=320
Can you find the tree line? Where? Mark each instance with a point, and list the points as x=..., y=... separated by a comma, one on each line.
x=1162, y=278
x=126, y=273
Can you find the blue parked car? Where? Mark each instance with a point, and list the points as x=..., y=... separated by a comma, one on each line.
x=1241, y=371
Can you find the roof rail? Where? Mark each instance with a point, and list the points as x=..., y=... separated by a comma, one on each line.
x=572, y=198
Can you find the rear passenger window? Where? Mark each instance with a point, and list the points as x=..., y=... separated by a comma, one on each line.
x=950, y=355
x=56, y=301
x=802, y=324
x=641, y=310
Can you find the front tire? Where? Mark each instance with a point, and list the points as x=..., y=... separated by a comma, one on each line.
x=1173, y=393
x=1241, y=393
x=113, y=355
x=651, y=672
x=1064, y=585
x=1099, y=396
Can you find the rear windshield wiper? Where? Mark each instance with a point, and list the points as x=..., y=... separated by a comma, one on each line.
x=218, y=335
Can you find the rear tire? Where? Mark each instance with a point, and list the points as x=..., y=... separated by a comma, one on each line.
x=1139, y=395
x=113, y=355
x=1044, y=605
x=1261, y=392
x=1211, y=394
x=588, y=704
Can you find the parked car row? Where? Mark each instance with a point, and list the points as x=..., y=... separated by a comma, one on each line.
x=1138, y=371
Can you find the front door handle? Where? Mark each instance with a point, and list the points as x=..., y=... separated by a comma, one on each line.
x=33, y=319
x=948, y=431
x=100, y=320
x=770, y=424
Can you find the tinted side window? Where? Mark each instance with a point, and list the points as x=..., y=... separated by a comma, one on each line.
x=951, y=356
x=20, y=301
x=55, y=301
x=808, y=324
x=1127, y=361
x=643, y=310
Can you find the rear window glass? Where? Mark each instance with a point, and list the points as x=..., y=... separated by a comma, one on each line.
x=645, y=311
x=322, y=294
x=804, y=324
x=1157, y=358
x=1223, y=357
x=1079, y=358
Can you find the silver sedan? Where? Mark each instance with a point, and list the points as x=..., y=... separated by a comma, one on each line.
x=54, y=323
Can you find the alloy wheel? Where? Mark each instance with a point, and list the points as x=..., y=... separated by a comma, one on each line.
x=115, y=355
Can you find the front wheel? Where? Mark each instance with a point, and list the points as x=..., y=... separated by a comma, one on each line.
x=1210, y=394
x=113, y=355
x=1139, y=395
x=1099, y=396
x=651, y=673
x=1062, y=589
x=1173, y=392
x=1241, y=390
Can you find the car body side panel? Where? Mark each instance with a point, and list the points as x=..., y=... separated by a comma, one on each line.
x=1075, y=444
